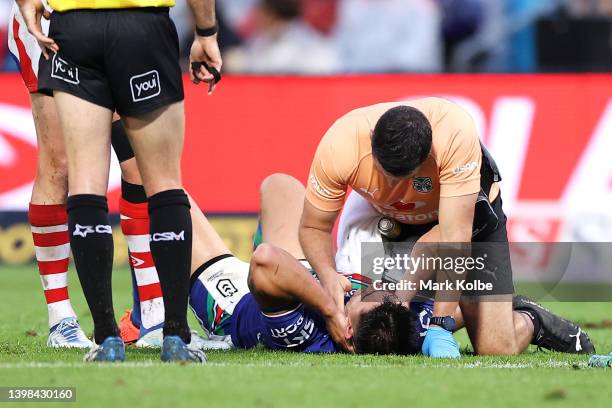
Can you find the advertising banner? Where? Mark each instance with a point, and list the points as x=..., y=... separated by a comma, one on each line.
x=550, y=136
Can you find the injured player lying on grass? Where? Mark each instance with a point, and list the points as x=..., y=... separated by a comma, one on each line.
x=276, y=301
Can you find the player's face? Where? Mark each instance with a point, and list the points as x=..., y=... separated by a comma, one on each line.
x=363, y=301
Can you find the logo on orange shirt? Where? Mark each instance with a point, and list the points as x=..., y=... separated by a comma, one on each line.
x=402, y=206
x=422, y=184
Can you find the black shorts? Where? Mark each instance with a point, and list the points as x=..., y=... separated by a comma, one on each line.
x=125, y=60
x=493, y=246
x=489, y=244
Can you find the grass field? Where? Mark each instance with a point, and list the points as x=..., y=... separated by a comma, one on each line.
x=265, y=379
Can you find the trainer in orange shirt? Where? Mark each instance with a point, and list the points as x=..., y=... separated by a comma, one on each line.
x=419, y=162
x=445, y=164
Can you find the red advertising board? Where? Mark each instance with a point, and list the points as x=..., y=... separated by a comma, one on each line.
x=546, y=131
x=255, y=126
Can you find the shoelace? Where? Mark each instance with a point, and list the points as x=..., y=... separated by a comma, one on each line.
x=69, y=329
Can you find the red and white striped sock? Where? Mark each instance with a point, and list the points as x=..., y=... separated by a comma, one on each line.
x=135, y=227
x=52, y=245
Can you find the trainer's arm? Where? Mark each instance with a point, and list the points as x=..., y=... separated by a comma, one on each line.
x=335, y=161
x=456, y=219
x=316, y=239
x=459, y=186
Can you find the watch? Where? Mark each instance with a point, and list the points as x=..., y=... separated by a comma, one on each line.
x=446, y=322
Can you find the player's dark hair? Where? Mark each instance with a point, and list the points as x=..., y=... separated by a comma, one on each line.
x=401, y=140
x=389, y=328
x=283, y=9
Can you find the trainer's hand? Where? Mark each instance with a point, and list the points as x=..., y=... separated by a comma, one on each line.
x=337, y=325
x=33, y=11
x=440, y=343
x=336, y=289
x=346, y=286
x=205, y=49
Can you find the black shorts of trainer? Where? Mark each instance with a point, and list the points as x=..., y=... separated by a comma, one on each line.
x=125, y=60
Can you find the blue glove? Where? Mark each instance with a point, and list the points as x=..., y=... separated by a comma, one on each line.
x=440, y=343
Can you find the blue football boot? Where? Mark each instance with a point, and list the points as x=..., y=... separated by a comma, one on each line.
x=111, y=350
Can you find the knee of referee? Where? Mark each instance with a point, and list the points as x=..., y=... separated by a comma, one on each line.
x=264, y=263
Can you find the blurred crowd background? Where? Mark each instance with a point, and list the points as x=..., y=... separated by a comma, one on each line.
x=430, y=36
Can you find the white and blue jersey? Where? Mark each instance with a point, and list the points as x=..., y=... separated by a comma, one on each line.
x=221, y=301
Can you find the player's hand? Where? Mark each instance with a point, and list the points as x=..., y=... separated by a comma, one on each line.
x=440, y=343
x=205, y=50
x=33, y=11
x=337, y=326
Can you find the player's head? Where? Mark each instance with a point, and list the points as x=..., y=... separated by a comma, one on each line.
x=382, y=327
x=401, y=140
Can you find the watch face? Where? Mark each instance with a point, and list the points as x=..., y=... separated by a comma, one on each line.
x=448, y=323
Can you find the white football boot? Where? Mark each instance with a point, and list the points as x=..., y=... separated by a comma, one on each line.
x=68, y=334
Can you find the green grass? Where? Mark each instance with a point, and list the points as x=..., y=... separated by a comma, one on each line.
x=262, y=378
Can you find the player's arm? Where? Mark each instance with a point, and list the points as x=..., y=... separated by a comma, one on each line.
x=278, y=281
x=205, y=48
x=33, y=11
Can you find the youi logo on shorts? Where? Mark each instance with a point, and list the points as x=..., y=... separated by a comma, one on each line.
x=62, y=69
x=145, y=86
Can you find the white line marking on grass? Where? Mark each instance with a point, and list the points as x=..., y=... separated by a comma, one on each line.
x=146, y=364
x=543, y=364
x=62, y=364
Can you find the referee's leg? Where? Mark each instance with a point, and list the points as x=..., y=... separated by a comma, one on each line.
x=157, y=139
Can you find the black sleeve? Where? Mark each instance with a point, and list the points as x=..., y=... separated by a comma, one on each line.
x=121, y=143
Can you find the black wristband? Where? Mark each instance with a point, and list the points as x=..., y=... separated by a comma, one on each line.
x=207, y=32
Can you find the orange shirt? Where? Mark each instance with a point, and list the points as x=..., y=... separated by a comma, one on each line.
x=344, y=159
